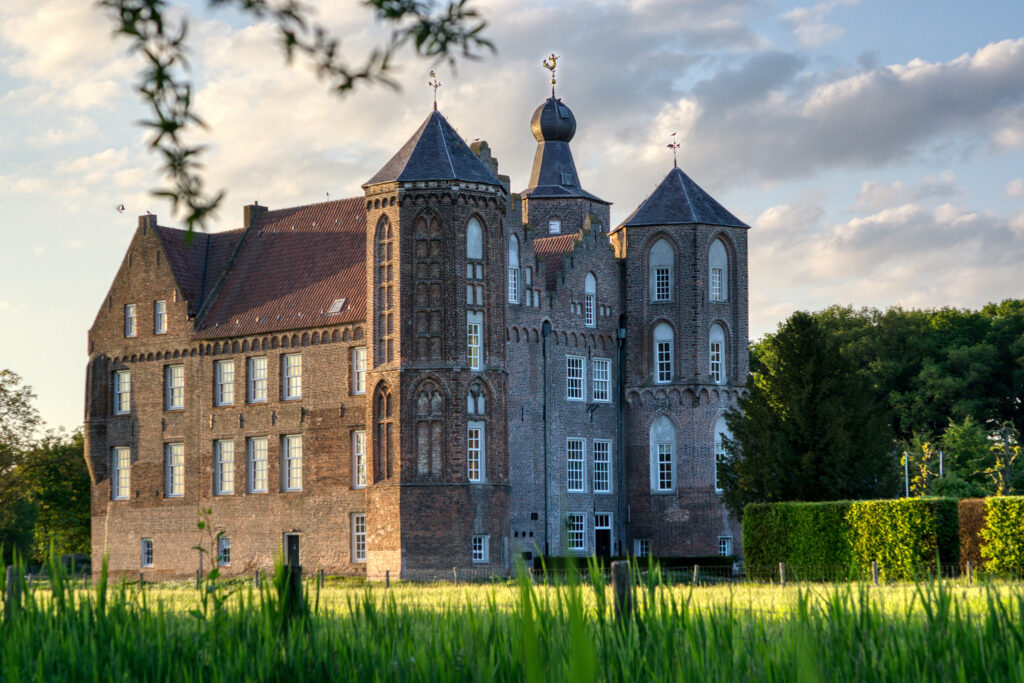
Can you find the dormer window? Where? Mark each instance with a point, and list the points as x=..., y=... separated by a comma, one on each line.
x=554, y=227
x=337, y=306
x=567, y=179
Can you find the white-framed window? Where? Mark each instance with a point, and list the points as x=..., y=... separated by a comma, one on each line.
x=602, y=520
x=120, y=485
x=641, y=547
x=146, y=552
x=130, y=321
x=224, y=475
x=474, y=329
x=223, y=551
x=359, y=459
x=602, y=465
x=174, y=470
x=575, y=456
x=476, y=455
x=718, y=275
x=716, y=284
x=725, y=545
x=224, y=391
x=122, y=392
x=257, y=447
x=590, y=301
x=513, y=269
x=662, y=454
x=664, y=467
x=554, y=227
x=663, y=341
x=528, y=276
x=721, y=434
x=160, y=317
x=174, y=387
x=602, y=379
x=716, y=360
x=291, y=449
x=661, y=262
x=359, y=537
x=359, y=370
x=291, y=376
x=662, y=283
x=575, y=381
x=257, y=379
x=576, y=531
x=481, y=549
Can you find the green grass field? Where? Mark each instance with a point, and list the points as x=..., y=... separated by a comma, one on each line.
x=518, y=631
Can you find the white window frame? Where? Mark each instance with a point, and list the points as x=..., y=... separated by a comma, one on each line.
x=641, y=547
x=725, y=545
x=589, y=313
x=358, y=359
x=256, y=374
x=131, y=321
x=476, y=451
x=359, y=459
x=665, y=458
x=662, y=347
x=662, y=284
x=513, y=284
x=291, y=376
x=575, y=378
x=602, y=450
x=474, y=339
x=223, y=551
x=719, y=451
x=291, y=462
x=160, y=317
x=358, y=533
x=554, y=226
x=576, y=532
x=257, y=449
x=121, y=472
x=715, y=360
x=602, y=380
x=174, y=387
x=146, y=552
x=716, y=284
x=174, y=470
x=575, y=464
x=481, y=549
x=224, y=391
x=122, y=392
x=224, y=474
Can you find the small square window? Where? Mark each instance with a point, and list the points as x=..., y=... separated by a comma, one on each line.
x=554, y=227
x=725, y=545
x=641, y=547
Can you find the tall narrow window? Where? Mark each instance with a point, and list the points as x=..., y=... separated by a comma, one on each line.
x=662, y=452
x=716, y=359
x=602, y=466
x=475, y=451
x=575, y=383
x=575, y=465
x=430, y=252
x=223, y=551
x=359, y=537
x=576, y=532
x=224, y=391
x=383, y=457
x=224, y=452
x=122, y=392
x=722, y=434
x=291, y=376
x=120, y=484
x=429, y=429
x=159, y=317
x=716, y=284
x=474, y=350
x=664, y=467
x=359, y=459
x=663, y=343
x=257, y=464
x=590, y=301
x=130, y=320
x=661, y=261
x=258, y=379
x=174, y=387
x=174, y=470
x=359, y=370
x=602, y=379
x=481, y=551
x=147, y=552
x=513, y=269
x=291, y=446
x=718, y=271
x=384, y=330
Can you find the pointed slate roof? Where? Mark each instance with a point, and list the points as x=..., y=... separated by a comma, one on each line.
x=554, y=171
x=680, y=201
x=435, y=152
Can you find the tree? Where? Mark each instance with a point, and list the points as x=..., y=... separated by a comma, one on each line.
x=810, y=428
x=18, y=422
x=56, y=484
x=167, y=90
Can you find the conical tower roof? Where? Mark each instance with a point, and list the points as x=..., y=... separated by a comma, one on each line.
x=554, y=171
x=680, y=201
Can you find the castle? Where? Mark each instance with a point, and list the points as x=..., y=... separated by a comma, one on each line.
x=437, y=374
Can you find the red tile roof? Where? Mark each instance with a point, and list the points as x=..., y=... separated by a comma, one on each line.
x=192, y=259
x=551, y=249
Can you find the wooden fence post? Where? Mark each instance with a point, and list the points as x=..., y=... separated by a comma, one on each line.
x=782, y=574
x=455, y=575
x=874, y=572
x=696, y=574
x=12, y=599
x=387, y=578
x=142, y=579
x=623, y=590
x=321, y=578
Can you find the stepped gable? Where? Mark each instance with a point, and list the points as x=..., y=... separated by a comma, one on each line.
x=435, y=152
x=197, y=262
x=291, y=266
x=554, y=171
x=552, y=249
x=680, y=201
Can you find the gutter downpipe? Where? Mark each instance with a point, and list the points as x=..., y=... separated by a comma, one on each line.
x=620, y=449
x=545, y=330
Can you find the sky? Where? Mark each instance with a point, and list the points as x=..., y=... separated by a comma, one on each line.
x=875, y=147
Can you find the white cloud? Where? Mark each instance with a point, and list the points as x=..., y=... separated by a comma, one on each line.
x=874, y=195
x=1015, y=188
x=809, y=24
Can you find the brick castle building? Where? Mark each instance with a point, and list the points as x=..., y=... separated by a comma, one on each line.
x=438, y=373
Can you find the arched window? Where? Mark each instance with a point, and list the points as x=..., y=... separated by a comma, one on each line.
x=383, y=451
x=663, y=339
x=474, y=240
x=662, y=454
x=476, y=434
x=513, y=269
x=718, y=272
x=474, y=294
x=716, y=354
x=590, y=300
x=429, y=430
x=722, y=433
x=429, y=250
x=385, y=295
x=661, y=259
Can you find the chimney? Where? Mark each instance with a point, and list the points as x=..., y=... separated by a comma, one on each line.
x=251, y=212
x=147, y=221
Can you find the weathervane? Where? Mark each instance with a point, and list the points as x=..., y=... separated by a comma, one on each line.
x=673, y=146
x=435, y=84
x=550, y=63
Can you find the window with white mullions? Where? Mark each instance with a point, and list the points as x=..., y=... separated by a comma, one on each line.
x=223, y=551
x=291, y=446
x=513, y=269
x=475, y=452
x=174, y=387
x=481, y=550
x=590, y=300
x=725, y=545
x=224, y=451
x=147, y=552
x=257, y=464
x=602, y=379
x=359, y=459
x=359, y=537
x=718, y=272
x=159, y=317
x=661, y=262
x=576, y=531
x=121, y=483
x=664, y=467
x=716, y=347
x=662, y=455
x=130, y=321
x=602, y=465
x=722, y=433
x=474, y=350
x=258, y=379
x=122, y=392
x=359, y=370
x=575, y=382
x=575, y=464
x=664, y=339
x=174, y=470
x=291, y=376
x=224, y=392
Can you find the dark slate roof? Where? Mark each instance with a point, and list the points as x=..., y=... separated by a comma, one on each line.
x=551, y=250
x=292, y=265
x=554, y=171
x=680, y=201
x=197, y=262
x=435, y=152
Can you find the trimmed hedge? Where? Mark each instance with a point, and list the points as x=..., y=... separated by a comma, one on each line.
x=973, y=513
x=811, y=538
x=1003, y=535
x=908, y=537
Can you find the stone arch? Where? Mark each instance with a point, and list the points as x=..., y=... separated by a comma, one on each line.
x=235, y=346
x=335, y=336
x=294, y=341
x=315, y=339
x=357, y=334
x=305, y=338
x=245, y=346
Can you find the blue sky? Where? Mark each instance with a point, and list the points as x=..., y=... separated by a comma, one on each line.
x=876, y=148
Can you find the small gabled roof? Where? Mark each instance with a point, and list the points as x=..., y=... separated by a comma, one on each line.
x=551, y=249
x=196, y=260
x=680, y=201
x=435, y=152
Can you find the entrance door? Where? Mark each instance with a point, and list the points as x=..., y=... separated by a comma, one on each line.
x=291, y=549
x=602, y=535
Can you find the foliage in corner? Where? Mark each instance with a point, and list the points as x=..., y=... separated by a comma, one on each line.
x=1003, y=535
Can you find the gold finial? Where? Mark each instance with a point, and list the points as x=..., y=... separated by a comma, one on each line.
x=673, y=146
x=435, y=84
x=550, y=63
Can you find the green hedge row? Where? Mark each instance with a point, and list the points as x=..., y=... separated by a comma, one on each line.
x=1002, y=536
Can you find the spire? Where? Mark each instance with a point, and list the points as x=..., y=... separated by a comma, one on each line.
x=673, y=146
x=680, y=201
x=550, y=64
x=435, y=84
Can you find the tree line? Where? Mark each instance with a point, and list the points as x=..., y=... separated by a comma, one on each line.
x=850, y=403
